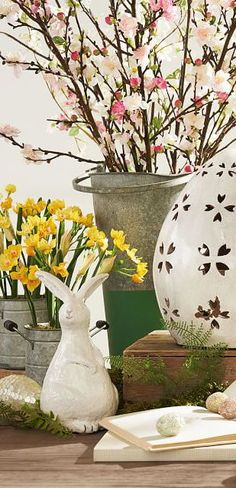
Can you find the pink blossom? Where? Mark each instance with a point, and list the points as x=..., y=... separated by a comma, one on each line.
x=32, y=155
x=220, y=82
x=158, y=82
x=71, y=100
x=158, y=148
x=118, y=110
x=178, y=103
x=154, y=5
x=108, y=20
x=149, y=83
x=57, y=27
x=9, y=131
x=135, y=82
x=222, y=96
x=199, y=102
x=74, y=55
x=63, y=125
x=161, y=82
x=188, y=168
x=61, y=16
x=128, y=25
x=165, y=5
x=205, y=32
x=142, y=53
x=198, y=62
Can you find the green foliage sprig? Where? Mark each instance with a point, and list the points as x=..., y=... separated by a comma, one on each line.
x=31, y=417
x=201, y=373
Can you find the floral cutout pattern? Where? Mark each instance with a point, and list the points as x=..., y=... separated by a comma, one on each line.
x=177, y=207
x=205, y=172
x=231, y=171
x=221, y=267
x=212, y=313
x=218, y=215
x=170, y=313
x=165, y=262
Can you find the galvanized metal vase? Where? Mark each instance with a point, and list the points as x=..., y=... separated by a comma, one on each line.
x=12, y=346
x=138, y=204
x=40, y=351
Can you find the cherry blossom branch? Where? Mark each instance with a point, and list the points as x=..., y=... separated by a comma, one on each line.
x=47, y=152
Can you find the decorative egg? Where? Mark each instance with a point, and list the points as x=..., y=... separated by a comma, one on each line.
x=195, y=258
x=170, y=424
x=228, y=409
x=215, y=400
x=19, y=389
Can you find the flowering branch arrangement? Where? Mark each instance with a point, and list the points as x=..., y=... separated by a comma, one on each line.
x=152, y=83
x=61, y=240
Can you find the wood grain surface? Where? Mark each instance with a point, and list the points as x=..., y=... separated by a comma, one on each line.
x=30, y=459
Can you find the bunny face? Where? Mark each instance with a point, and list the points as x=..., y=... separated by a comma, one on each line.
x=74, y=313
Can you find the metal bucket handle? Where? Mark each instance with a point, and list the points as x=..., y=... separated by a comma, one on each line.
x=172, y=181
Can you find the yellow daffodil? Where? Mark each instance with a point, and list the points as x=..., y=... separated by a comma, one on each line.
x=6, y=204
x=40, y=206
x=59, y=215
x=31, y=243
x=4, y=222
x=56, y=205
x=20, y=275
x=14, y=251
x=118, y=237
x=60, y=270
x=137, y=279
x=69, y=213
x=48, y=228
x=86, y=220
x=141, y=271
x=6, y=262
x=45, y=246
x=9, y=258
x=26, y=229
x=10, y=188
x=131, y=253
x=27, y=277
x=88, y=261
x=30, y=207
x=72, y=213
x=33, y=282
x=96, y=237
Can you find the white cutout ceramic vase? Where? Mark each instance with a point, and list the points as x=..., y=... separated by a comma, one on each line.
x=195, y=259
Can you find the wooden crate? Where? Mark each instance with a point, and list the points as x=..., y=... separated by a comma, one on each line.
x=161, y=344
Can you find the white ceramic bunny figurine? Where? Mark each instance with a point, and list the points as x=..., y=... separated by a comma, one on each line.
x=77, y=386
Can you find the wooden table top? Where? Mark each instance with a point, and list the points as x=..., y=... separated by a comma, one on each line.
x=30, y=459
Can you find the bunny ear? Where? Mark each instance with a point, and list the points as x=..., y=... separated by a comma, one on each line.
x=91, y=285
x=59, y=289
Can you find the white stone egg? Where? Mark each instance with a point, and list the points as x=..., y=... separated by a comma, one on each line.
x=195, y=258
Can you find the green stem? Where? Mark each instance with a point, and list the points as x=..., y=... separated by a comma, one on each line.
x=31, y=307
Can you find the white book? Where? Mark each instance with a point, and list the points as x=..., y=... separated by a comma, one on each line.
x=111, y=449
x=202, y=429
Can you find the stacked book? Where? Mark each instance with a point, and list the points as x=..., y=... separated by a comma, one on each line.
x=206, y=436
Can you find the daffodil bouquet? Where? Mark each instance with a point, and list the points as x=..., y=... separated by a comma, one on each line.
x=61, y=240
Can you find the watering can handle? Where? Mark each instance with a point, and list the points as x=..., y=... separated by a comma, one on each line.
x=171, y=181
